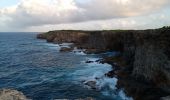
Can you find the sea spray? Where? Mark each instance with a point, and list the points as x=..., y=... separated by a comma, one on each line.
x=67, y=45
x=58, y=46
x=41, y=72
x=92, y=76
x=53, y=46
x=78, y=51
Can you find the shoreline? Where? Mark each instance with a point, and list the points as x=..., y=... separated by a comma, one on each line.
x=138, y=79
x=96, y=81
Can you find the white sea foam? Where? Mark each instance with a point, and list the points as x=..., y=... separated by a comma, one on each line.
x=53, y=46
x=79, y=51
x=123, y=96
x=58, y=46
x=93, y=77
x=94, y=72
x=93, y=59
x=67, y=45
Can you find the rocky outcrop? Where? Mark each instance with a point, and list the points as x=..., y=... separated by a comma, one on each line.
x=91, y=84
x=147, y=66
x=9, y=94
x=65, y=49
x=92, y=41
x=144, y=58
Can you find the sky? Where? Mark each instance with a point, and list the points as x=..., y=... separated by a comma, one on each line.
x=45, y=15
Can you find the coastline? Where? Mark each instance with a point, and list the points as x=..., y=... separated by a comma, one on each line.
x=95, y=71
x=95, y=75
x=134, y=46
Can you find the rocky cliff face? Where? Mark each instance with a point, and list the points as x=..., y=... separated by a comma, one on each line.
x=92, y=41
x=147, y=57
x=146, y=52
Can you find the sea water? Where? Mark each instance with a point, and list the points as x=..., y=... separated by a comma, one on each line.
x=41, y=72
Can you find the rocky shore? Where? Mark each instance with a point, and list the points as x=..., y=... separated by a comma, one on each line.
x=143, y=65
x=11, y=94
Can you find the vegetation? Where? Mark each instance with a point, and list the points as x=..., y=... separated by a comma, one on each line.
x=165, y=27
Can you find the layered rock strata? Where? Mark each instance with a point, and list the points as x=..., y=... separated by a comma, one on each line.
x=143, y=66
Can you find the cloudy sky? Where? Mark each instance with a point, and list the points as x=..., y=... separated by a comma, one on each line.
x=45, y=15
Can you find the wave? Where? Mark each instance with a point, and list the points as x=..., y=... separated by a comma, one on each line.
x=67, y=45
x=78, y=51
x=92, y=76
x=53, y=46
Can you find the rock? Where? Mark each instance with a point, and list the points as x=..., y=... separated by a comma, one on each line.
x=144, y=54
x=110, y=74
x=91, y=84
x=65, y=49
x=165, y=98
x=89, y=61
x=100, y=61
x=41, y=36
x=10, y=94
x=115, y=59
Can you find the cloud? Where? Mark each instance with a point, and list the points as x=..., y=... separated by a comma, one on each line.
x=37, y=13
x=105, y=9
x=150, y=21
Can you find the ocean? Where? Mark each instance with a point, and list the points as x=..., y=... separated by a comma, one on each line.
x=41, y=72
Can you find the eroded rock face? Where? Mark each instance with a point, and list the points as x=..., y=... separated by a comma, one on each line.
x=146, y=54
x=92, y=41
x=10, y=94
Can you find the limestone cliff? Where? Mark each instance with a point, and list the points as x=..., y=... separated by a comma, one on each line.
x=146, y=52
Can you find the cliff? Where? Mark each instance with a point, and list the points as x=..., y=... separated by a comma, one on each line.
x=145, y=53
x=92, y=41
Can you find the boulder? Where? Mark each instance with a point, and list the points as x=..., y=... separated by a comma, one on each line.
x=65, y=49
x=91, y=84
x=89, y=61
x=10, y=94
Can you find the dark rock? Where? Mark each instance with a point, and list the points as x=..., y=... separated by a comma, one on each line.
x=91, y=84
x=145, y=56
x=110, y=74
x=100, y=61
x=140, y=90
x=65, y=49
x=89, y=61
x=41, y=36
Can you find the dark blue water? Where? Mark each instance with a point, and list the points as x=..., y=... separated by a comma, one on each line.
x=42, y=73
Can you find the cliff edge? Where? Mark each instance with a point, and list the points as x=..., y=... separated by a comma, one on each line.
x=145, y=73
